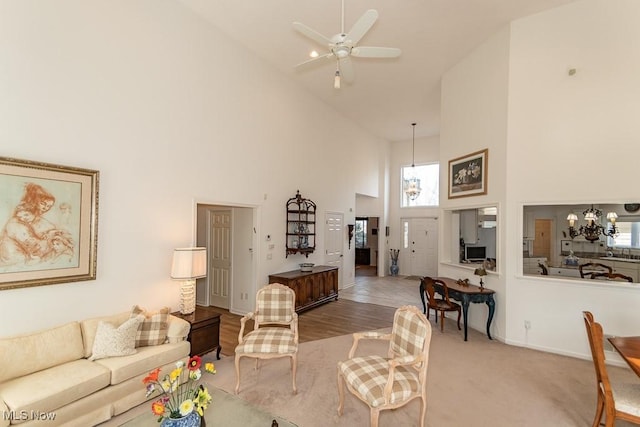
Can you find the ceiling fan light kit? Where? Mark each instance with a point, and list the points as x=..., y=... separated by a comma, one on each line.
x=342, y=46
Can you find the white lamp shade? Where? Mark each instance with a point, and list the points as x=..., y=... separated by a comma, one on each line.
x=189, y=263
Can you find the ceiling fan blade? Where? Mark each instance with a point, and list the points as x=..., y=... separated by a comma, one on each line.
x=376, y=52
x=363, y=25
x=312, y=34
x=346, y=69
x=309, y=61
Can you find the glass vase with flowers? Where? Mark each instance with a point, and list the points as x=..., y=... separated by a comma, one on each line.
x=182, y=398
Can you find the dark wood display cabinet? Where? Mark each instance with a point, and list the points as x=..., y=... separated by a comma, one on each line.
x=312, y=288
x=204, y=334
x=301, y=225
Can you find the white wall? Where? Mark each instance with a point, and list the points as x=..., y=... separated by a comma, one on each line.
x=553, y=139
x=366, y=205
x=474, y=117
x=572, y=139
x=170, y=111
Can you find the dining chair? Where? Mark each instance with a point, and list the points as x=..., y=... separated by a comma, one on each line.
x=593, y=267
x=391, y=382
x=544, y=269
x=619, y=401
x=619, y=277
x=439, y=305
x=275, y=330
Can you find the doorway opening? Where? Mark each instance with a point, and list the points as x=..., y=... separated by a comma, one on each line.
x=366, y=244
x=228, y=233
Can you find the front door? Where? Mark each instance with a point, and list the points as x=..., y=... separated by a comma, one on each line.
x=219, y=244
x=421, y=244
x=334, y=239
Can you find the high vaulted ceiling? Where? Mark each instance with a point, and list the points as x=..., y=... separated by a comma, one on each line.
x=387, y=94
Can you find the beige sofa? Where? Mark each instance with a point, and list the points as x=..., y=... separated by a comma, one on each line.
x=48, y=374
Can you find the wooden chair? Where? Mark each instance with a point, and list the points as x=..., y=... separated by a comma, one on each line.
x=601, y=268
x=392, y=382
x=275, y=307
x=619, y=402
x=616, y=277
x=439, y=305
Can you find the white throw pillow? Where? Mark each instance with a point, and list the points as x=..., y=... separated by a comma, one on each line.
x=111, y=341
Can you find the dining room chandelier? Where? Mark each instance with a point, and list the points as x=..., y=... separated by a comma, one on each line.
x=412, y=185
x=593, y=229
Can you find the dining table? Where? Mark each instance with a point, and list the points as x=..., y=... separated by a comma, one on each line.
x=629, y=349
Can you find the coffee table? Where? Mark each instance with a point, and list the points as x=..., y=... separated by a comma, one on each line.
x=226, y=410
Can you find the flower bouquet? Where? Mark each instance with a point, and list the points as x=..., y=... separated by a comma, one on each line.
x=180, y=391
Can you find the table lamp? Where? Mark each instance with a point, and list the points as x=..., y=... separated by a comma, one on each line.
x=188, y=264
x=480, y=272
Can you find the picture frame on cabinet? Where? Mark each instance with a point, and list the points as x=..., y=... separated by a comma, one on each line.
x=468, y=175
x=49, y=223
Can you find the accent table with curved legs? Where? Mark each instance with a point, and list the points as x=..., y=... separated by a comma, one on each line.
x=466, y=294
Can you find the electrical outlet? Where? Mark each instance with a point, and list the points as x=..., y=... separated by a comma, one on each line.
x=269, y=256
x=527, y=324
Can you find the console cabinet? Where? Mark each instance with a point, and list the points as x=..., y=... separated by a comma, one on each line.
x=311, y=288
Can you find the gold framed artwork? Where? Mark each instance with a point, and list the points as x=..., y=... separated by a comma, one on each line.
x=468, y=175
x=49, y=220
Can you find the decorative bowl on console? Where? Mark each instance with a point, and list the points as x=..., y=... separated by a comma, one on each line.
x=306, y=267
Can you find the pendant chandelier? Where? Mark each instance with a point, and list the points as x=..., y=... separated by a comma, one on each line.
x=412, y=185
x=593, y=229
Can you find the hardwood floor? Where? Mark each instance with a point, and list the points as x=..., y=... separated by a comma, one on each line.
x=329, y=320
x=369, y=304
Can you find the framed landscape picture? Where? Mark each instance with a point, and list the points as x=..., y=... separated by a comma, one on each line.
x=49, y=223
x=468, y=175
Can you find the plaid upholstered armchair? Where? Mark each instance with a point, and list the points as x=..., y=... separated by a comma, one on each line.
x=389, y=383
x=275, y=330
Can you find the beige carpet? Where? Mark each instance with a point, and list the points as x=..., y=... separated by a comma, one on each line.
x=475, y=383
x=472, y=384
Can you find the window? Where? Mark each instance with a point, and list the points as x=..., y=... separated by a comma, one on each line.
x=429, y=181
x=361, y=232
x=628, y=237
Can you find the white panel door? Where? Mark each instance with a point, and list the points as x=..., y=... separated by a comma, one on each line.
x=334, y=242
x=423, y=246
x=219, y=244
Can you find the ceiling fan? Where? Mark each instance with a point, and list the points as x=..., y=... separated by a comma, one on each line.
x=343, y=46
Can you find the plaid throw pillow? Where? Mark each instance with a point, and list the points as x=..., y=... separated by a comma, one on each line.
x=153, y=330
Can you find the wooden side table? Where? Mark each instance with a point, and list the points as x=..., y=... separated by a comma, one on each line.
x=204, y=334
